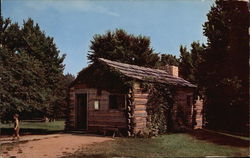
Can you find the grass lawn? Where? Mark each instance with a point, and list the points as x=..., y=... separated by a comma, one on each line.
x=34, y=127
x=170, y=145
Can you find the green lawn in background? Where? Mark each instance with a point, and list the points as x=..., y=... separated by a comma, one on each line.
x=170, y=145
x=49, y=126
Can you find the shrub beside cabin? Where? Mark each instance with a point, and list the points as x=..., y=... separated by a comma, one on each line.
x=109, y=95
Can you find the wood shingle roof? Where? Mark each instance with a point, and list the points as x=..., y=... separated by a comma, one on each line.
x=146, y=74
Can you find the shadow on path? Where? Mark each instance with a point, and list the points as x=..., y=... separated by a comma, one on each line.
x=29, y=131
x=81, y=155
x=218, y=138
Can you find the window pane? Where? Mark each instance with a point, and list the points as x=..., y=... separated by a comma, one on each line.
x=116, y=101
x=113, y=102
x=121, y=101
x=96, y=104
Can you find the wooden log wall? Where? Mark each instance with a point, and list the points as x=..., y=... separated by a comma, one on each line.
x=181, y=105
x=129, y=112
x=70, y=122
x=104, y=117
x=96, y=119
x=198, y=108
x=139, y=109
x=133, y=117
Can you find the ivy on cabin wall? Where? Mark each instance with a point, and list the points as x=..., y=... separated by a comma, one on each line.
x=181, y=118
x=159, y=108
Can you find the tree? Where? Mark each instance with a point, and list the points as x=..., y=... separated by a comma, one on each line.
x=225, y=66
x=189, y=64
x=31, y=69
x=60, y=108
x=186, y=65
x=123, y=47
x=21, y=81
x=168, y=59
x=197, y=51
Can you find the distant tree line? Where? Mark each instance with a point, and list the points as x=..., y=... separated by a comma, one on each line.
x=31, y=72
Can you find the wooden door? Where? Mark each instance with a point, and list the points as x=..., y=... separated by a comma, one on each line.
x=81, y=111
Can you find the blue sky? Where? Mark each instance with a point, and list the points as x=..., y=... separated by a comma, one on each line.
x=73, y=23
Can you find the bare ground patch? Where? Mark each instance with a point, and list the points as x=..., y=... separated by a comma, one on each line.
x=49, y=147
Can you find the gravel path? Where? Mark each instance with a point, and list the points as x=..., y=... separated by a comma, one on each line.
x=49, y=146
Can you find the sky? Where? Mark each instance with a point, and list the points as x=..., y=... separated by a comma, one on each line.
x=73, y=23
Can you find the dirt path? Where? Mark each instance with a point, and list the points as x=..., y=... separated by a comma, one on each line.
x=50, y=146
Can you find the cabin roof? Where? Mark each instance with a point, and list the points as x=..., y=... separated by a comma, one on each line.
x=146, y=74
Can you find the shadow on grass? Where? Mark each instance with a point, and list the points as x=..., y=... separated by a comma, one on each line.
x=219, y=139
x=29, y=131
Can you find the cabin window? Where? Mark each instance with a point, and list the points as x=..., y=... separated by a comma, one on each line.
x=97, y=104
x=116, y=101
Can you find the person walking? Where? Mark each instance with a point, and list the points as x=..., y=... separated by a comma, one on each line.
x=16, y=126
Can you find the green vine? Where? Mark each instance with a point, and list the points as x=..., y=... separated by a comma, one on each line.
x=159, y=109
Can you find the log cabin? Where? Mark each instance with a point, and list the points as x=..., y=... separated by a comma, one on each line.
x=110, y=95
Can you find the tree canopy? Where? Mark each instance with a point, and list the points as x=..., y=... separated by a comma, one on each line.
x=168, y=59
x=220, y=68
x=225, y=66
x=31, y=70
x=190, y=60
x=123, y=47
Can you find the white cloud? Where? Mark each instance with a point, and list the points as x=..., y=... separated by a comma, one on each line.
x=65, y=6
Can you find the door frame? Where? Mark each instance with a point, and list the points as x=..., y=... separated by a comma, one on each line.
x=76, y=109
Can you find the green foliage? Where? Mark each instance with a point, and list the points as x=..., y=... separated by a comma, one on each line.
x=224, y=69
x=60, y=107
x=181, y=121
x=189, y=62
x=20, y=78
x=104, y=78
x=220, y=69
x=123, y=47
x=159, y=108
x=186, y=66
x=31, y=70
x=169, y=59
